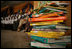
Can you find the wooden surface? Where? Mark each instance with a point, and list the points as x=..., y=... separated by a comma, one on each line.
x=14, y=39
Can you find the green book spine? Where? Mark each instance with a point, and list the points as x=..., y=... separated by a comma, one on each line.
x=51, y=40
x=45, y=27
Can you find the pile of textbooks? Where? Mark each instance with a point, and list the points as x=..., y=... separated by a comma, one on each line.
x=49, y=28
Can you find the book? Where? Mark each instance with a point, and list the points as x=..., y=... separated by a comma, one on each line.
x=42, y=45
x=55, y=14
x=65, y=37
x=51, y=40
x=55, y=7
x=52, y=27
x=52, y=9
x=57, y=30
x=39, y=45
x=63, y=27
x=45, y=27
x=46, y=34
x=47, y=19
x=47, y=14
x=61, y=5
x=46, y=23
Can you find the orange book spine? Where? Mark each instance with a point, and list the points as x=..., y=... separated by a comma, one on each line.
x=47, y=19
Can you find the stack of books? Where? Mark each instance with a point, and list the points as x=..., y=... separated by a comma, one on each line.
x=48, y=30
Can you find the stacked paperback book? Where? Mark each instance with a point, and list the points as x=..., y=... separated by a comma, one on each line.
x=48, y=28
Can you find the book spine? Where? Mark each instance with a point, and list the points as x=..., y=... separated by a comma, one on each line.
x=47, y=19
x=57, y=30
x=63, y=27
x=60, y=8
x=41, y=39
x=42, y=45
x=43, y=24
x=47, y=14
x=51, y=40
x=46, y=27
x=46, y=23
x=46, y=34
x=36, y=44
x=52, y=27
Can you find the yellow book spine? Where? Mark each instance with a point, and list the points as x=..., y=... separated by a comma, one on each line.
x=46, y=23
x=46, y=34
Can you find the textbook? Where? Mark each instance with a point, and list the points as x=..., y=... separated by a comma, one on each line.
x=52, y=27
x=42, y=45
x=52, y=9
x=68, y=37
x=39, y=45
x=47, y=19
x=63, y=5
x=49, y=30
x=45, y=23
x=47, y=14
x=60, y=8
x=51, y=40
x=46, y=34
x=63, y=27
x=49, y=11
x=45, y=27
